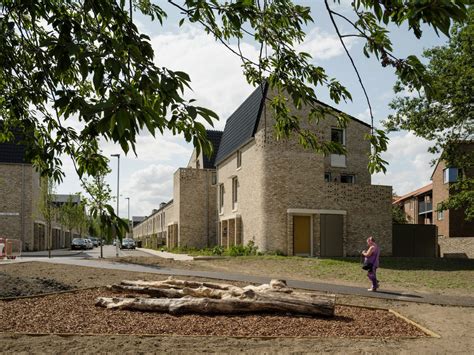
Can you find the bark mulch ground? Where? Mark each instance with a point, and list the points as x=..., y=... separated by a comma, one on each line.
x=75, y=312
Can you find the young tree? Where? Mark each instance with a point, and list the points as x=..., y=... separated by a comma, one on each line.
x=47, y=209
x=99, y=209
x=445, y=115
x=70, y=216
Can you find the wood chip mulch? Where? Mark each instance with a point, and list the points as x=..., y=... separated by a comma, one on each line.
x=76, y=313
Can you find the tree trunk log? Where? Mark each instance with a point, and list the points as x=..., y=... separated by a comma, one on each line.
x=178, y=296
x=320, y=307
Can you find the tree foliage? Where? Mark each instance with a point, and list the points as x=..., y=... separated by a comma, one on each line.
x=100, y=212
x=68, y=61
x=398, y=215
x=73, y=215
x=445, y=115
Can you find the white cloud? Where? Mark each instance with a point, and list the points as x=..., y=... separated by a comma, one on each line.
x=216, y=74
x=149, y=187
x=409, y=161
x=322, y=45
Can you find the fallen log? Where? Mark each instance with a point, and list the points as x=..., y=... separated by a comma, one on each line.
x=320, y=307
x=178, y=296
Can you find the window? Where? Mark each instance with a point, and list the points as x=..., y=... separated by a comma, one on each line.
x=327, y=177
x=337, y=135
x=347, y=179
x=221, y=198
x=239, y=158
x=214, y=178
x=440, y=213
x=235, y=187
x=450, y=175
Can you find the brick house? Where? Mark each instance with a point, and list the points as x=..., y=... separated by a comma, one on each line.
x=417, y=205
x=20, y=194
x=275, y=193
x=455, y=234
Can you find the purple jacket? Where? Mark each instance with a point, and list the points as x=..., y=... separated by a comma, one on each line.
x=374, y=258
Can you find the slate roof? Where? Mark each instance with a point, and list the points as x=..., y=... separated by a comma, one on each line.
x=215, y=138
x=12, y=153
x=241, y=125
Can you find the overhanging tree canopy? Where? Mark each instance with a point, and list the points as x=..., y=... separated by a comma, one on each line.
x=445, y=116
x=63, y=61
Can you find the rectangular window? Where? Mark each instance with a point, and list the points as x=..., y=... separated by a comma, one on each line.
x=221, y=198
x=440, y=213
x=214, y=178
x=347, y=179
x=450, y=175
x=239, y=158
x=327, y=177
x=337, y=135
x=235, y=187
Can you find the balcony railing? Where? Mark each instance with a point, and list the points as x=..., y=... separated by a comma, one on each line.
x=425, y=207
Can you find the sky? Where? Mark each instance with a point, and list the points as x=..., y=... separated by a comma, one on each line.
x=218, y=84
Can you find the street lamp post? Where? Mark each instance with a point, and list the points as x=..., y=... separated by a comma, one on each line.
x=128, y=217
x=118, y=195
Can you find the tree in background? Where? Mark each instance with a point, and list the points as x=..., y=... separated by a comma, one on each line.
x=445, y=114
x=72, y=215
x=47, y=209
x=398, y=215
x=99, y=209
x=88, y=61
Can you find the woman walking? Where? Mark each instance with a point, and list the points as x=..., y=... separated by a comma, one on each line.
x=372, y=261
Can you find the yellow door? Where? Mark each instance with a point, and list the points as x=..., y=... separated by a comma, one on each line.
x=302, y=235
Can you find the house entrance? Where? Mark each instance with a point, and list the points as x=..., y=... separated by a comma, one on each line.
x=302, y=235
x=331, y=235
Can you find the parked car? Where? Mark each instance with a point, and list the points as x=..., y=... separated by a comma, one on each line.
x=128, y=244
x=95, y=241
x=89, y=243
x=78, y=243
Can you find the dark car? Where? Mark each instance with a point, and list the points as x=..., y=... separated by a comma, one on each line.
x=78, y=243
x=128, y=244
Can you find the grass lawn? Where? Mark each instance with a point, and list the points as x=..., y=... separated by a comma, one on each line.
x=410, y=273
x=430, y=274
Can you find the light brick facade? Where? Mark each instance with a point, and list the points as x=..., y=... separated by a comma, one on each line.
x=266, y=183
x=19, y=191
x=277, y=178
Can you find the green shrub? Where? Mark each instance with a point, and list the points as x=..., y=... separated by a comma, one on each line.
x=240, y=250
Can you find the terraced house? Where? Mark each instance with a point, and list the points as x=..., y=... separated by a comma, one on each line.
x=276, y=193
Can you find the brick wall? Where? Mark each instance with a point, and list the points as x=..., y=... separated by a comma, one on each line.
x=440, y=193
x=456, y=247
x=250, y=192
x=19, y=191
x=197, y=207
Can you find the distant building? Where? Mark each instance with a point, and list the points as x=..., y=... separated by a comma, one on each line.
x=20, y=190
x=455, y=233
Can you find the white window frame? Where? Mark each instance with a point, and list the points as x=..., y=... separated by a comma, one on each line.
x=235, y=192
x=239, y=159
x=221, y=198
x=440, y=214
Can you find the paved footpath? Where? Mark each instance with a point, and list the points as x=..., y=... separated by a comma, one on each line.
x=463, y=301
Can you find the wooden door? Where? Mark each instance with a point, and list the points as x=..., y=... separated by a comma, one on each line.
x=301, y=235
x=331, y=235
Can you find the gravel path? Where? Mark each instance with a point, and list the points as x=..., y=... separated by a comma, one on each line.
x=75, y=312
